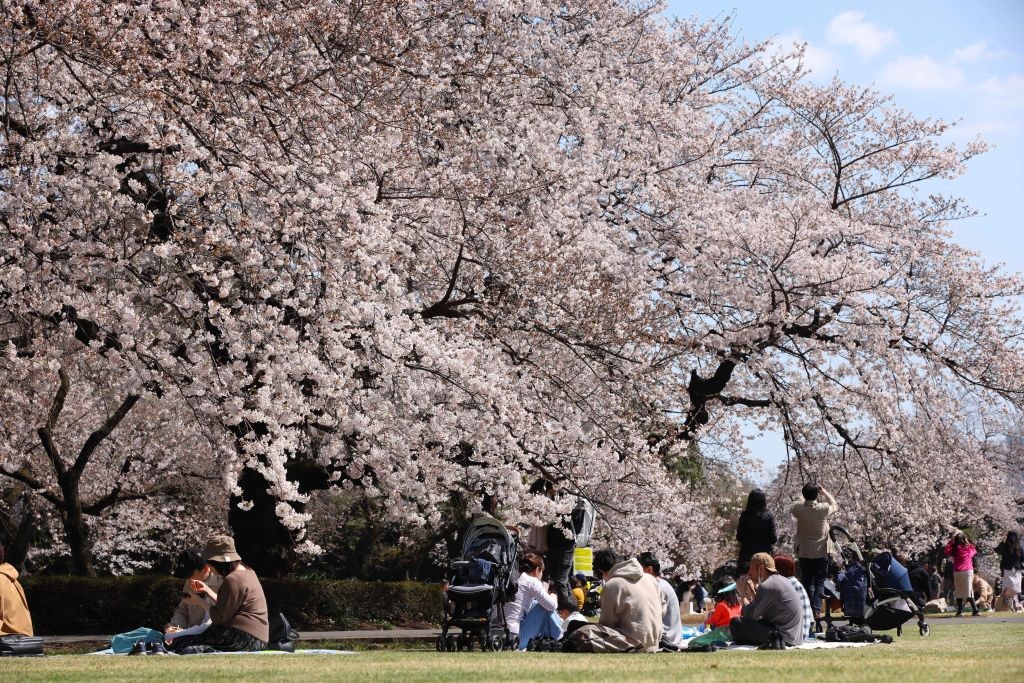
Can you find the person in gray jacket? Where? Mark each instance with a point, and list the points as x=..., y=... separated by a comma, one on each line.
x=775, y=607
x=672, y=627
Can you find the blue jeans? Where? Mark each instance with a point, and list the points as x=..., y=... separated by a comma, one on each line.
x=813, y=572
x=539, y=623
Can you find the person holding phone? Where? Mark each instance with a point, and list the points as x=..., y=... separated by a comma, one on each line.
x=812, y=542
x=238, y=610
x=193, y=609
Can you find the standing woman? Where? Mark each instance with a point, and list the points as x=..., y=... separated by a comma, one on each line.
x=238, y=609
x=962, y=552
x=756, y=529
x=1011, y=562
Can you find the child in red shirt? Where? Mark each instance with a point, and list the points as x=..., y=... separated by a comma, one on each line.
x=727, y=603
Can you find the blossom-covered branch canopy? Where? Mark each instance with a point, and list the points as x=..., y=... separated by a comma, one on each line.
x=456, y=246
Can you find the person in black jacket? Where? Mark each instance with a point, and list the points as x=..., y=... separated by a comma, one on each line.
x=756, y=529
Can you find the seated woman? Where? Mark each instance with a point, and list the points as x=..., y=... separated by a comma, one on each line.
x=727, y=603
x=532, y=613
x=14, y=616
x=238, y=611
x=193, y=609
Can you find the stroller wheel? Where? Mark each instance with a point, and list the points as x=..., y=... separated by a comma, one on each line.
x=497, y=643
x=513, y=643
x=925, y=629
x=450, y=643
x=440, y=644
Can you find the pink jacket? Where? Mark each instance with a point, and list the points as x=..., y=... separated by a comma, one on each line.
x=962, y=555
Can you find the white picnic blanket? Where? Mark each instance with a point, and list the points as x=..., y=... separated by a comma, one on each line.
x=111, y=653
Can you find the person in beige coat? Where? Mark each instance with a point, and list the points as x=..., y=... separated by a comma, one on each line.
x=812, y=542
x=15, y=618
x=632, y=608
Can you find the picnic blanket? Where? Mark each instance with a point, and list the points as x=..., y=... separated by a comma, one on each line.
x=311, y=651
x=806, y=645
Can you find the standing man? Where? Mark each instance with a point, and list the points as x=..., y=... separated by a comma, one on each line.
x=812, y=543
x=672, y=627
x=775, y=607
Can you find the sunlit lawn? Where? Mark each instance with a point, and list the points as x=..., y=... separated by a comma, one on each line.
x=977, y=652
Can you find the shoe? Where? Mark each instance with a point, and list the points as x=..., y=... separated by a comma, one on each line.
x=156, y=648
x=139, y=648
x=959, y=614
x=975, y=613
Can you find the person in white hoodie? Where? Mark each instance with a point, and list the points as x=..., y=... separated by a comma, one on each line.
x=632, y=607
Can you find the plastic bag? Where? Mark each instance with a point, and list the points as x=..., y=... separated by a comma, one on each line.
x=719, y=636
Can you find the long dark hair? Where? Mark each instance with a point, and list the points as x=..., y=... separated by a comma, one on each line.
x=757, y=504
x=1012, y=544
x=729, y=597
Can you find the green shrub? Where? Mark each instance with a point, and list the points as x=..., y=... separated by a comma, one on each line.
x=70, y=605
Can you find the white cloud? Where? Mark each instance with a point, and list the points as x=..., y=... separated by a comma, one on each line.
x=1004, y=92
x=820, y=61
x=976, y=52
x=849, y=28
x=922, y=73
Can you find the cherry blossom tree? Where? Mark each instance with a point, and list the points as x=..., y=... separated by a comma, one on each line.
x=428, y=249
x=100, y=445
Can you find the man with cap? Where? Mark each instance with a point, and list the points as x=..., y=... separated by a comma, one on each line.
x=672, y=627
x=775, y=607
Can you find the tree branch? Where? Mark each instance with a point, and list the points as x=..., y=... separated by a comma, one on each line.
x=103, y=432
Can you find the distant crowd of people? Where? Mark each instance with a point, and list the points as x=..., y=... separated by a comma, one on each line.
x=766, y=601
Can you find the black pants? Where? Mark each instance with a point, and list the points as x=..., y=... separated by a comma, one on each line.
x=813, y=572
x=746, y=631
x=218, y=639
x=558, y=559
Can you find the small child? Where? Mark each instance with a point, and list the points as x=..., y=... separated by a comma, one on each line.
x=568, y=610
x=699, y=596
x=578, y=585
x=727, y=603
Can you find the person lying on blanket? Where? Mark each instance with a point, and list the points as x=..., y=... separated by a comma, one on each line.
x=775, y=607
x=238, y=611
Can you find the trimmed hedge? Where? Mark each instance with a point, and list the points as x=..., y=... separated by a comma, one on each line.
x=72, y=605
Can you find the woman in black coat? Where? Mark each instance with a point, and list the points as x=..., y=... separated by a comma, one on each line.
x=756, y=530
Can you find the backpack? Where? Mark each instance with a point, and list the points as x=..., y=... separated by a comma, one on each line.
x=282, y=635
x=851, y=633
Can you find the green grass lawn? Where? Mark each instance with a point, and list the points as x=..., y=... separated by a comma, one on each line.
x=976, y=653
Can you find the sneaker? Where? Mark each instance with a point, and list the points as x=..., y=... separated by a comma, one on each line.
x=975, y=613
x=156, y=648
x=139, y=648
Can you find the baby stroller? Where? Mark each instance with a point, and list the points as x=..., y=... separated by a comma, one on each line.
x=895, y=602
x=481, y=583
x=891, y=599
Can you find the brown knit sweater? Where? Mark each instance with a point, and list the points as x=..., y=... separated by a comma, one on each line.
x=242, y=605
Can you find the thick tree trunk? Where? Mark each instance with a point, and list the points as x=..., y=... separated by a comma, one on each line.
x=260, y=538
x=264, y=543
x=16, y=550
x=76, y=531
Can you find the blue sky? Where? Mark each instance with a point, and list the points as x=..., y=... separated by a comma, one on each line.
x=959, y=61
